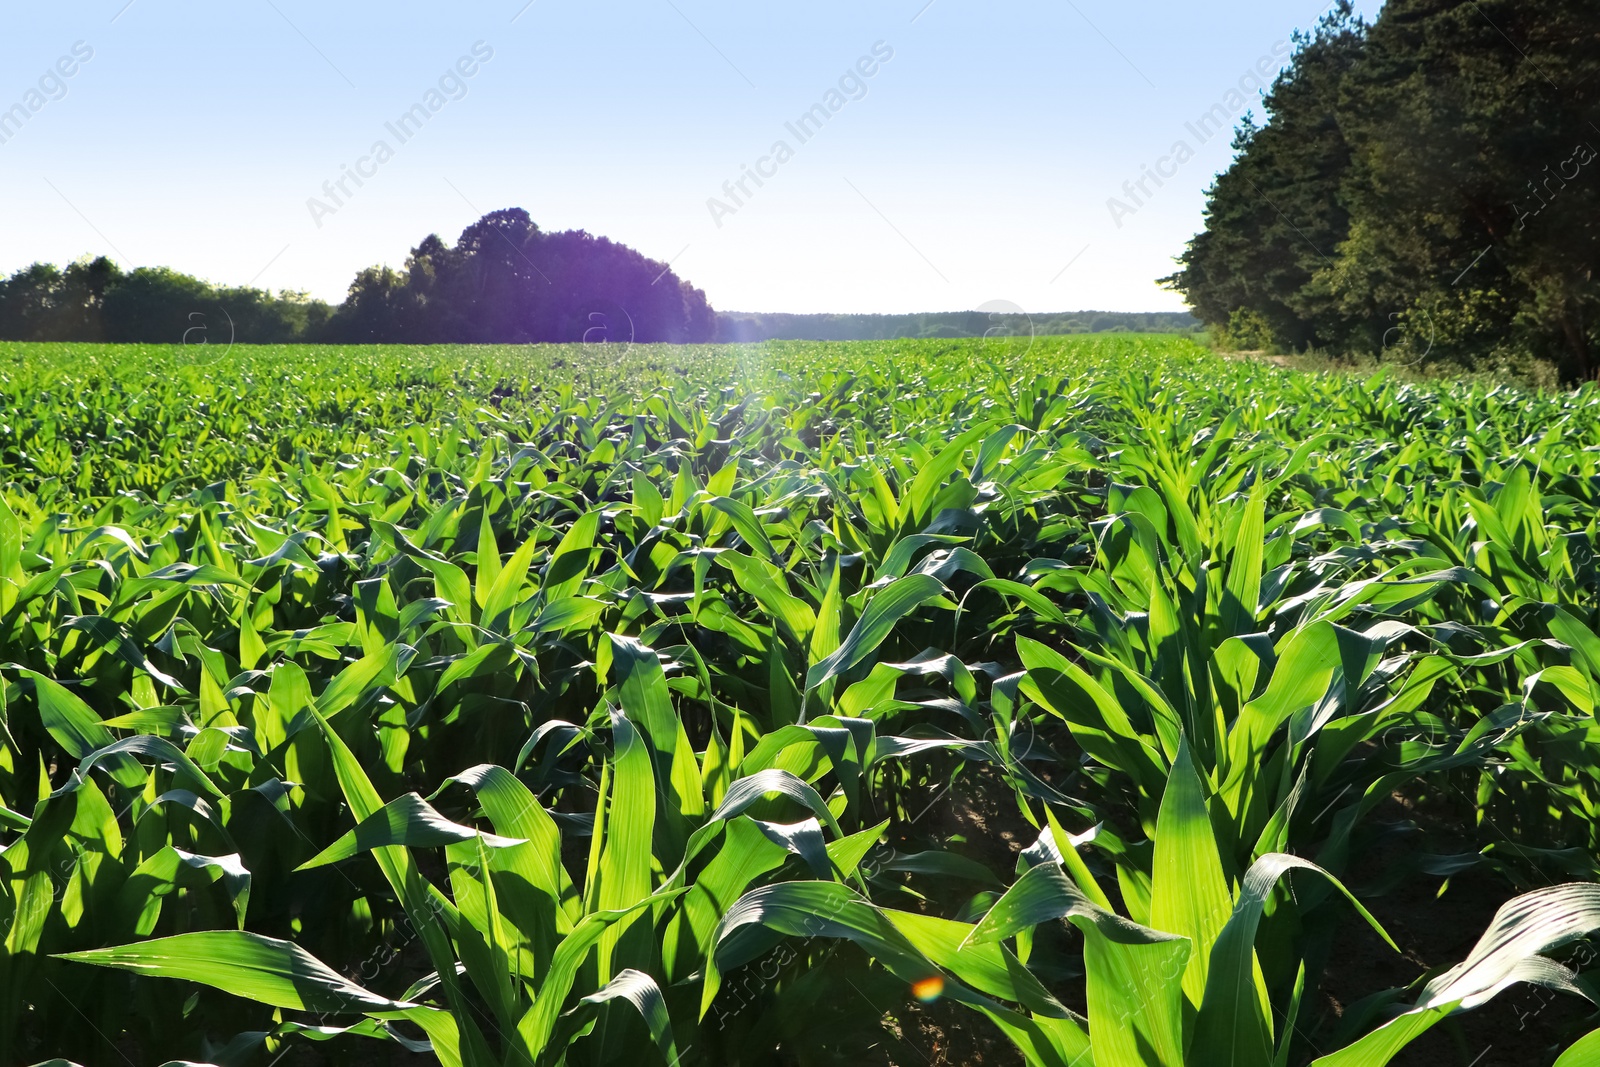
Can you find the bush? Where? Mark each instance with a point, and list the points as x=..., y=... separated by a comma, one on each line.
x=1247, y=331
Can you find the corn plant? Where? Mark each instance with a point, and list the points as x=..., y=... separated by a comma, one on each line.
x=573, y=706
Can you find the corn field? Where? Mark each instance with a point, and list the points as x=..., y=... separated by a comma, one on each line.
x=902, y=702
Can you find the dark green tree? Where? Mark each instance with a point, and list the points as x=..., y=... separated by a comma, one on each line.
x=1431, y=181
x=1475, y=211
x=505, y=281
x=93, y=301
x=1275, y=219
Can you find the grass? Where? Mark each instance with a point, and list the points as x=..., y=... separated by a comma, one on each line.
x=515, y=706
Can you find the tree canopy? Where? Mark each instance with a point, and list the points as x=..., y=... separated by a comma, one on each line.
x=504, y=282
x=1429, y=182
x=95, y=300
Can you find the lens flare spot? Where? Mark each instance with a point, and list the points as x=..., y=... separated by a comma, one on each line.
x=928, y=990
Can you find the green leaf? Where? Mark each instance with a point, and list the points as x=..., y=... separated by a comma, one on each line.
x=1584, y=1053
x=749, y=527
x=917, y=499
x=141, y=896
x=991, y=969
x=1507, y=953
x=157, y=749
x=374, y=671
x=1232, y=1029
x=1041, y=604
x=1522, y=929
x=762, y=580
x=427, y=909
x=887, y=608
x=563, y=576
x=77, y=729
x=639, y=990
x=539, y=1022
x=1135, y=974
x=488, y=559
x=122, y=643
x=830, y=909
x=262, y=969
x=647, y=701
x=72, y=723
x=568, y=614
x=624, y=874
x=1379, y=1047
x=1096, y=720
x=516, y=812
x=1302, y=677
x=408, y=821
x=508, y=587
x=1189, y=893
x=484, y=660
x=1244, y=571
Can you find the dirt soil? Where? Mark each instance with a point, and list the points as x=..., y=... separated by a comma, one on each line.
x=1522, y=1027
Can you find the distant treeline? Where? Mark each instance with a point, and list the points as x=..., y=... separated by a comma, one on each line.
x=95, y=300
x=734, y=326
x=1427, y=185
x=503, y=282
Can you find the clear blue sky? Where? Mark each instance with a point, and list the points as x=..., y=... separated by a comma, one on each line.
x=976, y=166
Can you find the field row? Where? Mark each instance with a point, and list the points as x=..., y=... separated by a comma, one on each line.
x=1069, y=704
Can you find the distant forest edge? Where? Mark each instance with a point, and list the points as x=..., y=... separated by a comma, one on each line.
x=737, y=326
x=504, y=281
x=1426, y=187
